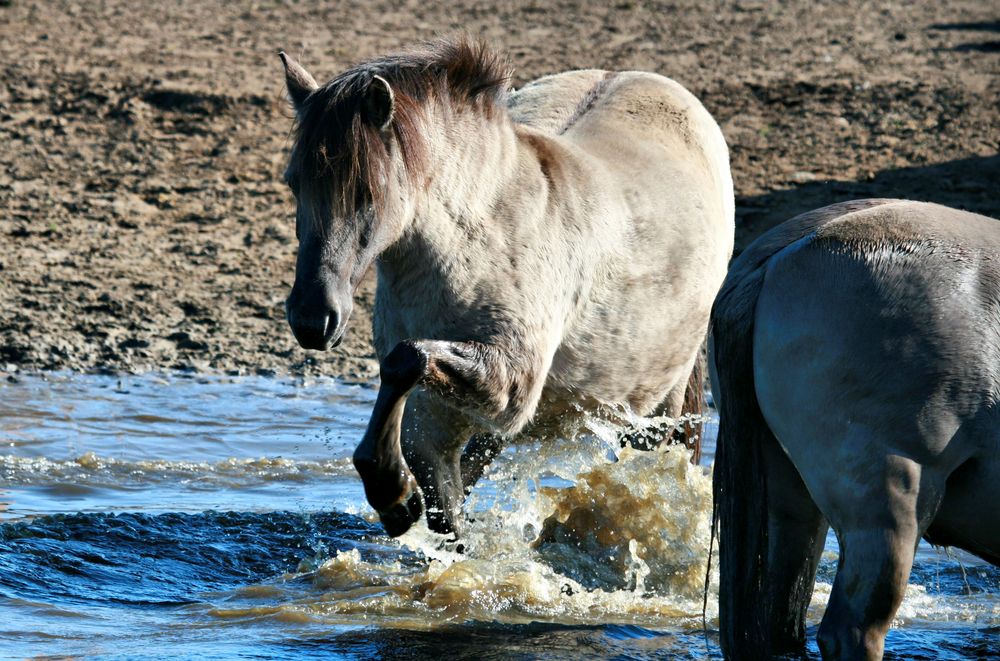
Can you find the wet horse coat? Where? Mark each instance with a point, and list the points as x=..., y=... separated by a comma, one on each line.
x=857, y=373
x=537, y=251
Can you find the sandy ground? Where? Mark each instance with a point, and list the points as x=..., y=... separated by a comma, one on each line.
x=143, y=224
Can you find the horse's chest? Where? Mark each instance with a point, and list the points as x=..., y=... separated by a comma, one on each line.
x=422, y=310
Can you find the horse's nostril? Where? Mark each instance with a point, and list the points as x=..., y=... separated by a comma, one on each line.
x=312, y=331
x=330, y=324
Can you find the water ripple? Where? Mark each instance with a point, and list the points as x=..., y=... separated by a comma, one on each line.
x=163, y=560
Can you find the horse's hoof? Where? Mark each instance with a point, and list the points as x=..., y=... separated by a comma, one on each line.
x=438, y=522
x=402, y=515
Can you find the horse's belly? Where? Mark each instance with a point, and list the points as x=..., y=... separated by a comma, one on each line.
x=969, y=517
x=634, y=354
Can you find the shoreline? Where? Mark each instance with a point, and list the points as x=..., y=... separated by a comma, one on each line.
x=146, y=227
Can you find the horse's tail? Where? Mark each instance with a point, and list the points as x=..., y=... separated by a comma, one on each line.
x=739, y=482
x=693, y=409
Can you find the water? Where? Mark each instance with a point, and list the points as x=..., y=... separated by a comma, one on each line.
x=176, y=516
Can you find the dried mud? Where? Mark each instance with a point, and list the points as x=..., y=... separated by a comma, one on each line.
x=143, y=223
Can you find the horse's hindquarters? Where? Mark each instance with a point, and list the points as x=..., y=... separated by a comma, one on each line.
x=867, y=355
x=867, y=369
x=864, y=334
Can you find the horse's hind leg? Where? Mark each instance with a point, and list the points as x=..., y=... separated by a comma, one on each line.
x=879, y=518
x=796, y=532
x=480, y=452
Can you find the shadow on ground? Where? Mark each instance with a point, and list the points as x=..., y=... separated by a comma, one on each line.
x=969, y=183
x=992, y=46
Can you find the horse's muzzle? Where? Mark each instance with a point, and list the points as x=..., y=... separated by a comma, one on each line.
x=316, y=329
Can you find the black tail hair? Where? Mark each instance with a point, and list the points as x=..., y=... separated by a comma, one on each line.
x=739, y=484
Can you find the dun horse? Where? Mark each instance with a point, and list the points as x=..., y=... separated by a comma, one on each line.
x=535, y=251
x=857, y=372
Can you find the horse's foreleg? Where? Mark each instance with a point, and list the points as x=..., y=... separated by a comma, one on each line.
x=389, y=485
x=433, y=436
x=500, y=388
x=878, y=525
x=432, y=445
x=478, y=454
x=480, y=381
x=471, y=380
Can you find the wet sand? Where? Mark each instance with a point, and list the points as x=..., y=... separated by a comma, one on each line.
x=143, y=222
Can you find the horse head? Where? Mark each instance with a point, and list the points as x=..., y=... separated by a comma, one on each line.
x=345, y=171
x=364, y=146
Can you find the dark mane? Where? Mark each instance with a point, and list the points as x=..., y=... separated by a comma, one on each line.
x=343, y=157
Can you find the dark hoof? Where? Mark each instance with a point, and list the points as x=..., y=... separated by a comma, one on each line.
x=400, y=517
x=439, y=523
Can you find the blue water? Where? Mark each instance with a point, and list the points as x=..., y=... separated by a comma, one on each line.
x=171, y=516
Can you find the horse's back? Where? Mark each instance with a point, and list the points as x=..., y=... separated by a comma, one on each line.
x=548, y=103
x=574, y=103
x=633, y=121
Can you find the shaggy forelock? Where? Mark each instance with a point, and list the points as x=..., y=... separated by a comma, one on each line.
x=343, y=159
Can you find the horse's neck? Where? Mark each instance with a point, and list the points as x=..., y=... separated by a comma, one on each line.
x=478, y=193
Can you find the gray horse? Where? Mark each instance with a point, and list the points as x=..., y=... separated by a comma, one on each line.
x=857, y=372
x=537, y=253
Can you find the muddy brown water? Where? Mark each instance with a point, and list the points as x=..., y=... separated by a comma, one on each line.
x=216, y=517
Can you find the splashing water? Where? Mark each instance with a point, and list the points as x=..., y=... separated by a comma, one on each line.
x=574, y=532
x=574, y=545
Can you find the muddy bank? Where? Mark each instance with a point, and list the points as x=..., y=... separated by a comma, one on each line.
x=143, y=224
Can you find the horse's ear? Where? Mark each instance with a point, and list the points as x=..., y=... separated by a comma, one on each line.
x=380, y=102
x=300, y=84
